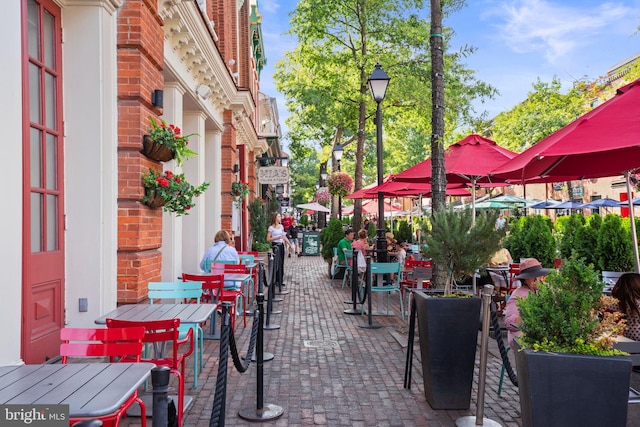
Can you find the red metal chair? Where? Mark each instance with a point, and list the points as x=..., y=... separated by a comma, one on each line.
x=514, y=270
x=114, y=343
x=214, y=291
x=410, y=280
x=217, y=268
x=159, y=332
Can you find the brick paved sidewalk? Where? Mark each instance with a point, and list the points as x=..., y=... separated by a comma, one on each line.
x=328, y=371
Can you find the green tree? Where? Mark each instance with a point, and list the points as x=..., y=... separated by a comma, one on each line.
x=543, y=112
x=569, y=237
x=586, y=241
x=614, y=250
x=532, y=237
x=324, y=80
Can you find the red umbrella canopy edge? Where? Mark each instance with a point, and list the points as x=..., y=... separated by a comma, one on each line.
x=473, y=157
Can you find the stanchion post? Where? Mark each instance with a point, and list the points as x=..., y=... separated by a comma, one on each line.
x=369, y=324
x=160, y=388
x=268, y=325
x=354, y=286
x=262, y=411
x=479, y=419
x=410, y=340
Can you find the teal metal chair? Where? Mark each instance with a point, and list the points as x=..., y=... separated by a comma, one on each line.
x=348, y=269
x=250, y=260
x=389, y=269
x=183, y=292
x=336, y=266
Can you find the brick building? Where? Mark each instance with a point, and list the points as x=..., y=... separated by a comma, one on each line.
x=88, y=76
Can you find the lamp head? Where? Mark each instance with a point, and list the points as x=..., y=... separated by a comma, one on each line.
x=323, y=172
x=378, y=82
x=338, y=150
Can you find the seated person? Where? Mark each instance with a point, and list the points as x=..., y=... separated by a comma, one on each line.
x=222, y=250
x=394, y=251
x=531, y=273
x=501, y=257
x=362, y=243
x=345, y=244
x=627, y=292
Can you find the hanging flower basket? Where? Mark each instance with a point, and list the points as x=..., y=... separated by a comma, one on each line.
x=322, y=196
x=239, y=190
x=171, y=191
x=166, y=142
x=340, y=184
x=156, y=151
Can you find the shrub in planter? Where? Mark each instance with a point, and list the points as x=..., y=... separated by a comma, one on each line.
x=460, y=247
x=614, y=249
x=258, y=223
x=532, y=237
x=586, y=240
x=404, y=232
x=567, y=354
x=567, y=238
x=329, y=237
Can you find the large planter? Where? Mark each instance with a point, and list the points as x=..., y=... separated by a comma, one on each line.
x=559, y=389
x=155, y=151
x=448, y=330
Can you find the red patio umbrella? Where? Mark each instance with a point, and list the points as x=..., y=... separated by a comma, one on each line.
x=468, y=161
x=603, y=142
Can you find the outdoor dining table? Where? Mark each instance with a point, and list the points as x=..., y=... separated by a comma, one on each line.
x=90, y=389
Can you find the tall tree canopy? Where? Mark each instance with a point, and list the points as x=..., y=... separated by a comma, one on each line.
x=324, y=80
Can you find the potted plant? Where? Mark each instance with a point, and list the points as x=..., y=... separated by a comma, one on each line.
x=258, y=224
x=329, y=238
x=566, y=354
x=448, y=326
x=614, y=249
x=166, y=142
x=239, y=190
x=171, y=191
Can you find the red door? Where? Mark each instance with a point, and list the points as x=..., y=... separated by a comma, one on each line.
x=43, y=244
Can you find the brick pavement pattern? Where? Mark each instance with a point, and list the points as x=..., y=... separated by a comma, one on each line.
x=351, y=376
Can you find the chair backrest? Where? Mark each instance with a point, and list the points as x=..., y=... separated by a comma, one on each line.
x=498, y=280
x=219, y=268
x=412, y=263
x=254, y=253
x=101, y=342
x=348, y=256
x=213, y=282
x=159, y=331
x=176, y=290
x=422, y=273
x=386, y=268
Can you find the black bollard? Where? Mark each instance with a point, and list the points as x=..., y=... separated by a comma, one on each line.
x=160, y=384
x=262, y=411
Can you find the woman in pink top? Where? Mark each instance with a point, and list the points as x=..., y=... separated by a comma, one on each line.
x=361, y=244
x=531, y=272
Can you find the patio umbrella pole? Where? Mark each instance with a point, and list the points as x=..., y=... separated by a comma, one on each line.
x=634, y=237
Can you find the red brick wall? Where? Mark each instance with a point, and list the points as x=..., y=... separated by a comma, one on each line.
x=140, y=58
x=228, y=156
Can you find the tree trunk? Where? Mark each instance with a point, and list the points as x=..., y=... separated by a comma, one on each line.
x=438, y=173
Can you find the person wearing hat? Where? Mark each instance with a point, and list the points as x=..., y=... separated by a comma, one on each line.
x=531, y=273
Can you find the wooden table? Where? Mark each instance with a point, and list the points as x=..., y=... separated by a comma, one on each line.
x=90, y=389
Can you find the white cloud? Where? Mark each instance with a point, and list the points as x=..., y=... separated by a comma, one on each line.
x=552, y=29
x=268, y=6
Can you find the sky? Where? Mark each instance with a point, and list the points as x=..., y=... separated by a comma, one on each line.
x=517, y=42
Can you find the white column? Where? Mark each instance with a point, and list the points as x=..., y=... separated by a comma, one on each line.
x=12, y=214
x=171, y=225
x=91, y=161
x=194, y=237
x=213, y=174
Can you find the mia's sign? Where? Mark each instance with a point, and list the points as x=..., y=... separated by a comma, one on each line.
x=273, y=175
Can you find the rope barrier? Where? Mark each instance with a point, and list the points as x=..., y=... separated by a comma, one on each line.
x=503, y=349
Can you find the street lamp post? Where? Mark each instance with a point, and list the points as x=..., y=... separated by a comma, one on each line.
x=322, y=220
x=338, y=150
x=378, y=82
